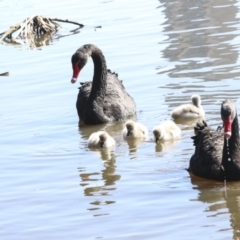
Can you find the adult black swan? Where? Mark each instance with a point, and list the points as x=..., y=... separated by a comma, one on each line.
x=105, y=98
x=217, y=152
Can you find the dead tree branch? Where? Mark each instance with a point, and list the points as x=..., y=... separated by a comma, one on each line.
x=33, y=31
x=4, y=74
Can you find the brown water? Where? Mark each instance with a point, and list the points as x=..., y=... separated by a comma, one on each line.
x=53, y=186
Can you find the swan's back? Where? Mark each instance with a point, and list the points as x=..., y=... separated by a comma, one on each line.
x=135, y=130
x=207, y=158
x=117, y=103
x=167, y=130
x=101, y=139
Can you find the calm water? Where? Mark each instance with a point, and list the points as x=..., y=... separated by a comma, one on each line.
x=53, y=186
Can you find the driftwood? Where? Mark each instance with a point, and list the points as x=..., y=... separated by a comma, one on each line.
x=4, y=74
x=33, y=31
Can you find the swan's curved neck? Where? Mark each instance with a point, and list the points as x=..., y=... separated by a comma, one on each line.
x=100, y=74
x=232, y=146
x=94, y=112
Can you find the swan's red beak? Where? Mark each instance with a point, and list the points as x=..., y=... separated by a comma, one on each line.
x=76, y=71
x=227, y=127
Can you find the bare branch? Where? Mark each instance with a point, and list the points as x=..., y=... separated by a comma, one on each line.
x=4, y=74
x=67, y=21
x=33, y=31
x=10, y=31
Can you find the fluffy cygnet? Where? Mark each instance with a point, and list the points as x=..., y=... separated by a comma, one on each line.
x=135, y=130
x=101, y=139
x=189, y=111
x=166, y=131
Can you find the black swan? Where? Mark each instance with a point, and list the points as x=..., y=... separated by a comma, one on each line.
x=217, y=153
x=105, y=98
x=189, y=111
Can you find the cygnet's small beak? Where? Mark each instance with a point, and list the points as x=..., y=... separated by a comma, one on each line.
x=128, y=133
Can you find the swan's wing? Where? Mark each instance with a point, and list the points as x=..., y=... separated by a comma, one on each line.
x=118, y=104
x=206, y=161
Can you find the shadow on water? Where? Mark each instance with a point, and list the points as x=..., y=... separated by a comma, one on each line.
x=219, y=197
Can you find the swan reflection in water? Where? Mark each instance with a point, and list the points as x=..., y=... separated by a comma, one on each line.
x=98, y=184
x=133, y=144
x=220, y=196
x=163, y=145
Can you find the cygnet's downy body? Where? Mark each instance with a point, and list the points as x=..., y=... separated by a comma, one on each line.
x=135, y=130
x=189, y=111
x=101, y=139
x=166, y=131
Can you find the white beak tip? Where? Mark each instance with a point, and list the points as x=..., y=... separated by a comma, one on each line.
x=73, y=80
x=227, y=135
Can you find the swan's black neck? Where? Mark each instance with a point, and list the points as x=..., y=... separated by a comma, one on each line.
x=94, y=112
x=100, y=74
x=231, y=151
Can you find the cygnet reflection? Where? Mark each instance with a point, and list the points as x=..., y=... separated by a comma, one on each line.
x=163, y=145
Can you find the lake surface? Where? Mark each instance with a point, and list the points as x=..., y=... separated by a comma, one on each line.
x=52, y=185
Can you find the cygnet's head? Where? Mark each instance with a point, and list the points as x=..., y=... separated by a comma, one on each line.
x=157, y=134
x=130, y=127
x=196, y=100
x=103, y=138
